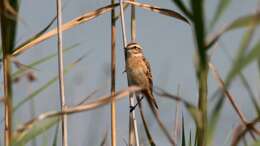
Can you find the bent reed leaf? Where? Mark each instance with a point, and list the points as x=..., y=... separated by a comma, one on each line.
x=66, y=26
x=156, y=9
x=183, y=8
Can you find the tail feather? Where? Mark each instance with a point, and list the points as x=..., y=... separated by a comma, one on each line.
x=151, y=99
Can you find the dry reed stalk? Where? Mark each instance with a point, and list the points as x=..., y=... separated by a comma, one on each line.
x=8, y=98
x=133, y=23
x=8, y=18
x=113, y=75
x=132, y=98
x=61, y=75
x=133, y=132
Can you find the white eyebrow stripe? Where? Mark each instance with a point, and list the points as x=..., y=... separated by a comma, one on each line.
x=134, y=45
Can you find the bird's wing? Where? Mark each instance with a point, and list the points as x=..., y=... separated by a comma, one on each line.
x=149, y=73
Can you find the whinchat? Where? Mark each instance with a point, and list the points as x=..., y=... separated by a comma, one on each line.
x=139, y=72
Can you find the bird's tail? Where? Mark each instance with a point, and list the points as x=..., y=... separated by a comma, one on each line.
x=151, y=99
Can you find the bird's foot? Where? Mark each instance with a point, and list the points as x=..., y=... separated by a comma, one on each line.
x=132, y=108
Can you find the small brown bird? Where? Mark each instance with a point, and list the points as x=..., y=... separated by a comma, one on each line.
x=139, y=72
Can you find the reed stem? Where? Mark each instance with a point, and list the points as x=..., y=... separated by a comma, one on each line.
x=133, y=131
x=113, y=76
x=8, y=98
x=61, y=75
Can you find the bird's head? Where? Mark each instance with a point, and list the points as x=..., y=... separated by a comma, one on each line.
x=134, y=49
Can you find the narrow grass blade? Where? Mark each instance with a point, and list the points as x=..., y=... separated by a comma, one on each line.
x=55, y=138
x=253, y=55
x=163, y=11
x=221, y=8
x=246, y=85
x=190, y=141
x=42, y=60
x=8, y=24
x=237, y=67
x=34, y=131
x=241, y=22
x=198, y=19
x=183, y=139
x=214, y=119
x=244, y=21
x=35, y=93
x=46, y=85
x=104, y=140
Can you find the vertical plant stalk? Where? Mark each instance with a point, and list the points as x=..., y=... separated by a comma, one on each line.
x=8, y=13
x=133, y=23
x=113, y=76
x=131, y=98
x=61, y=76
x=133, y=131
x=203, y=93
x=202, y=69
x=8, y=97
x=123, y=23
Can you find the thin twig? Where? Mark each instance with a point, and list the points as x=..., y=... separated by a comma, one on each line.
x=113, y=76
x=61, y=76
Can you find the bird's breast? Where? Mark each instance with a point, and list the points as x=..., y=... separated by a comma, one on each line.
x=135, y=69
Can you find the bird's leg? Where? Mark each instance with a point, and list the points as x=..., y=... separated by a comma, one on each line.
x=132, y=108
